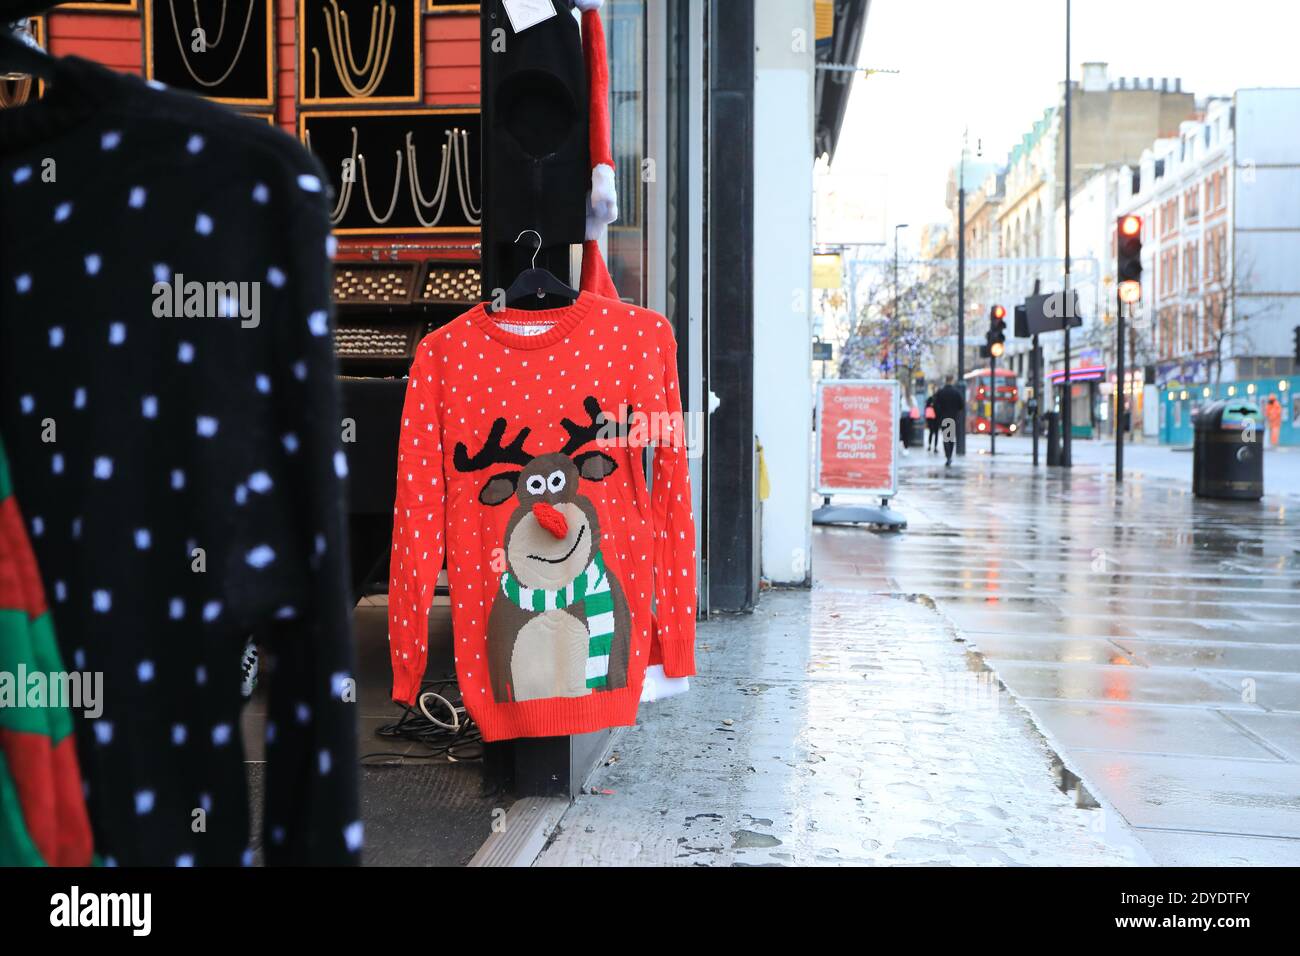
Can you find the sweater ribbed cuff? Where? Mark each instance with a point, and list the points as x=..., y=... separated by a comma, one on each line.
x=406, y=685
x=679, y=658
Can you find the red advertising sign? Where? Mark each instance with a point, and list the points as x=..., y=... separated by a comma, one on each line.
x=857, y=437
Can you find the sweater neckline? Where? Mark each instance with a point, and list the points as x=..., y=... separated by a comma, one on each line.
x=556, y=323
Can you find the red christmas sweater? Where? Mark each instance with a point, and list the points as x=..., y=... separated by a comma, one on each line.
x=522, y=443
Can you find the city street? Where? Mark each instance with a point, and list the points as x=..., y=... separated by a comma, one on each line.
x=1152, y=635
x=1141, y=460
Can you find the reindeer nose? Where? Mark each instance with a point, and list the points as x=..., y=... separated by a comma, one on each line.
x=551, y=518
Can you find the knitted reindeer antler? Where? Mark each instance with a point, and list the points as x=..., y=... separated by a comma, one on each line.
x=601, y=426
x=492, y=452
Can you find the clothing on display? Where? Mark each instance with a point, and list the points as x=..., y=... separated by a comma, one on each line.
x=521, y=453
x=540, y=171
x=169, y=400
x=42, y=813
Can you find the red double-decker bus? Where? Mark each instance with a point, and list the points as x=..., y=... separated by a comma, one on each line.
x=982, y=411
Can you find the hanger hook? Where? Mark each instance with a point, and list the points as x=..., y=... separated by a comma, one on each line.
x=539, y=243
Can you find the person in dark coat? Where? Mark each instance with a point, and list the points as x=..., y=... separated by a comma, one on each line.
x=949, y=405
x=931, y=426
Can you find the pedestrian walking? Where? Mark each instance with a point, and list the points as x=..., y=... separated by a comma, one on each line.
x=931, y=425
x=1273, y=414
x=949, y=406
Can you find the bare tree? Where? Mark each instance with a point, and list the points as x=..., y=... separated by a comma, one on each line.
x=1228, y=279
x=892, y=335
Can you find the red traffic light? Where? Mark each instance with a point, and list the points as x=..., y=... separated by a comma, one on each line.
x=999, y=312
x=1130, y=225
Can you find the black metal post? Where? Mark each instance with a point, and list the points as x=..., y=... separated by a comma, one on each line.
x=1068, y=426
x=993, y=404
x=961, y=296
x=1034, y=371
x=1119, y=388
x=729, y=291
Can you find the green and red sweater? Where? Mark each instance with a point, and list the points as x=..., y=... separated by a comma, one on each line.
x=521, y=459
x=43, y=819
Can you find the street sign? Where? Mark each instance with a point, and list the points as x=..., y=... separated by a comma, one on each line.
x=857, y=437
x=822, y=351
x=1050, y=312
x=828, y=271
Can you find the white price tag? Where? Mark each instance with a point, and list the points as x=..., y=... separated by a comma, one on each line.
x=527, y=13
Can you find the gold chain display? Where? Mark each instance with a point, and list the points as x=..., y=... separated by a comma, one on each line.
x=180, y=43
x=455, y=155
x=15, y=92
x=383, y=20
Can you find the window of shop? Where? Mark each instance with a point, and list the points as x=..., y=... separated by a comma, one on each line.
x=625, y=37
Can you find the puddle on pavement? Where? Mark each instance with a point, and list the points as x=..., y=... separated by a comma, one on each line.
x=750, y=840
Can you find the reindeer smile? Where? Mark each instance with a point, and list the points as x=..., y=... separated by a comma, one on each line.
x=576, y=541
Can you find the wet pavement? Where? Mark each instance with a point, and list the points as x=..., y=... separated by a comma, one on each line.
x=1154, y=637
x=1042, y=669
x=836, y=727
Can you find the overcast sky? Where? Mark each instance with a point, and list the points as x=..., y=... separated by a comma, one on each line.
x=993, y=66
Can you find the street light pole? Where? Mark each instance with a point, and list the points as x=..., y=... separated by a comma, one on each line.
x=961, y=294
x=1119, y=386
x=894, y=324
x=1067, y=425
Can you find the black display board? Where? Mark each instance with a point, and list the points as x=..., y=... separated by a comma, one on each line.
x=450, y=6
x=385, y=175
x=238, y=63
x=352, y=51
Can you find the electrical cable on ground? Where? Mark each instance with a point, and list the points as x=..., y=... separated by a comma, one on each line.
x=439, y=722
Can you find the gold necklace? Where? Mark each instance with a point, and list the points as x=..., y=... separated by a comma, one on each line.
x=180, y=44
x=345, y=189
x=338, y=31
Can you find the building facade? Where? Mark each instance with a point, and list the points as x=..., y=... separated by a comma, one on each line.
x=1221, y=232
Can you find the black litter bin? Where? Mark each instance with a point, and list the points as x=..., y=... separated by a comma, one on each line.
x=1228, y=451
x=909, y=431
x=1053, y=438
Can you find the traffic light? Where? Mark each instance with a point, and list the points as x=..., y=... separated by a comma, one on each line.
x=1128, y=258
x=997, y=334
x=1297, y=346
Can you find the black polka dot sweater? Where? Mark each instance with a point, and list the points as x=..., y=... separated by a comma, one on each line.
x=179, y=460
x=521, y=459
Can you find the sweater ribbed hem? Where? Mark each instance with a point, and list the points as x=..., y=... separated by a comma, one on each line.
x=559, y=717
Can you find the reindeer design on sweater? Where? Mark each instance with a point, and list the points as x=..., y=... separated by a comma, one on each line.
x=559, y=624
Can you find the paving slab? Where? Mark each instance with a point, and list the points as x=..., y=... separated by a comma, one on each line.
x=1279, y=731
x=1239, y=797
x=1149, y=730
x=1176, y=848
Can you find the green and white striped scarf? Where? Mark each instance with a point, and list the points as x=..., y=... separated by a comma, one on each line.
x=591, y=588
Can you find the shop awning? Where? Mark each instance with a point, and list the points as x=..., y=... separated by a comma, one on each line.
x=834, y=86
x=1083, y=373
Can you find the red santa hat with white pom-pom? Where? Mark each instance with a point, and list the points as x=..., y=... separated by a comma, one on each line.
x=602, y=204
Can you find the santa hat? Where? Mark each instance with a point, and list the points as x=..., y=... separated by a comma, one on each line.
x=602, y=208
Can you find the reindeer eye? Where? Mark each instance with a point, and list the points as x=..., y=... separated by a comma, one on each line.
x=555, y=481
x=535, y=484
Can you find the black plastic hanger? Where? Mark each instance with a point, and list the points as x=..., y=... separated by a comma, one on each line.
x=536, y=280
x=17, y=56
